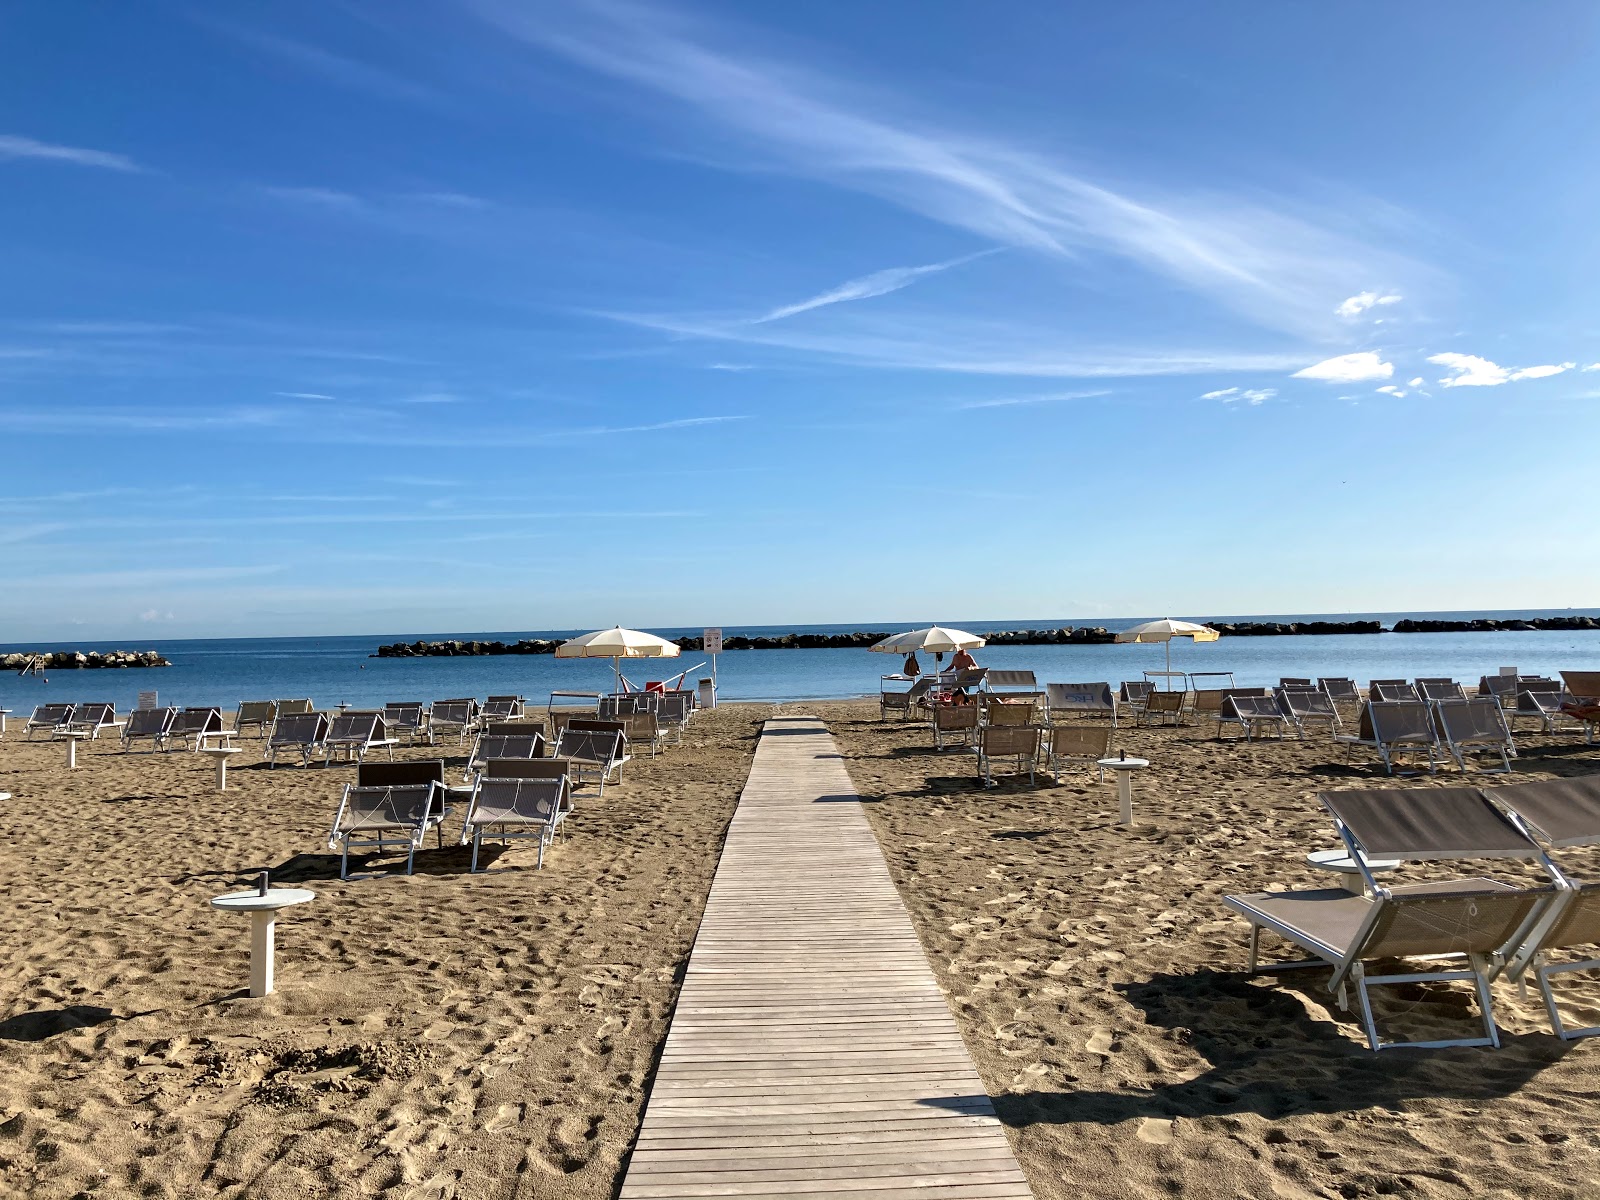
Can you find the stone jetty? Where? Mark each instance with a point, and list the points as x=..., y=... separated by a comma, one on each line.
x=67, y=660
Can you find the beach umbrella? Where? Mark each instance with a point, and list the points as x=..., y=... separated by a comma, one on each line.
x=1165, y=630
x=935, y=638
x=617, y=644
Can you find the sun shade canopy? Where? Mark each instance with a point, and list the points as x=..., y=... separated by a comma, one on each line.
x=1426, y=823
x=618, y=643
x=1166, y=629
x=935, y=639
x=1565, y=812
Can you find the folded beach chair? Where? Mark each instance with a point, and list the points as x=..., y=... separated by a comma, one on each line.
x=1340, y=689
x=1018, y=744
x=1133, y=693
x=892, y=699
x=507, y=804
x=491, y=745
x=1393, y=728
x=1561, y=813
x=453, y=716
x=673, y=710
x=1474, y=723
x=1253, y=714
x=408, y=720
x=92, y=718
x=523, y=728
x=594, y=754
x=1074, y=743
x=152, y=723
x=49, y=717
x=1092, y=699
x=259, y=714
x=1393, y=693
x=502, y=708
x=1288, y=682
x=1440, y=689
x=642, y=728
x=1162, y=704
x=1478, y=921
x=290, y=707
x=353, y=734
x=954, y=723
x=1543, y=700
x=1372, y=683
x=1009, y=712
x=197, y=725
x=304, y=734
x=1009, y=685
x=1583, y=688
x=385, y=817
x=1310, y=706
x=1502, y=687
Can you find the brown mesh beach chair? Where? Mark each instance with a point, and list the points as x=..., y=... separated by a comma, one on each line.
x=1290, y=681
x=1439, y=689
x=673, y=710
x=893, y=701
x=383, y=818
x=1160, y=705
x=405, y=774
x=502, y=708
x=197, y=725
x=407, y=719
x=1252, y=714
x=1134, y=692
x=491, y=745
x=354, y=734
x=93, y=718
x=49, y=717
x=522, y=728
x=1478, y=921
x=508, y=804
x=297, y=733
x=642, y=727
x=152, y=723
x=956, y=723
x=1340, y=690
x=1080, y=699
x=1474, y=724
x=1542, y=700
x=1396, y=728
x=1387, y=692
x=1562, y=813
x=289, y=707
x=256, y=714
x=1010, y=712
x=594, y=753
x=1307, y=707
x=459, y=717
x=1583, y=705
x=1076, y=743
x=1016, y=744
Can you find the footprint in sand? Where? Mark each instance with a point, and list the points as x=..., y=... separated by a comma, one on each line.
x=1102, y=1041
x=1156, y=1131
x=504, y=1117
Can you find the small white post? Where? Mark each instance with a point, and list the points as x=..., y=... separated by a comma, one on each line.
x=1125, y=794
x=72, y=753
x=262, y=924
x=222, y=772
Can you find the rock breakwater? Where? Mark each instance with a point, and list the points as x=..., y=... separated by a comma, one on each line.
x=67, y=660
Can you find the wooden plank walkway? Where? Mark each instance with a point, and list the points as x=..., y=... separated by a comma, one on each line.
x=811, y=1053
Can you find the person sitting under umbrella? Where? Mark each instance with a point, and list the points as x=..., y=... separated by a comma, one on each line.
x=962, y=660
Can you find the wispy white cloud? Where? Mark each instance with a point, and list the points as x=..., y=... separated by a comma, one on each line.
x=1220, y=394
x=1362, y=301
x=12, y=146
x=879, y=283
x=725, y=366
x=1390, y=389
x=1592, y=367
x=1233, y=395
x=1416, y=382
x=303, y=395
x=1470, y=370
x=1348, y=368
x=335, y=68
x=319, y=197
x=1282, y=268
x=1045, y=398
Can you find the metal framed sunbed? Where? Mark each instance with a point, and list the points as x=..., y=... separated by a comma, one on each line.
x=409, y=719
x=1252, y=714
x=1474, y=723
x=198, y=723
x=1478, y=921
x=457, y=716
x=259, y=713
x=1583, y=705
x=1339, y=689
x=385, y=817
x=1310, y=706
x=1018, y=744
x=1133, y=692
x=510, y=805
x=353, y=734
x=92, y=718
x=593, y=752
x=490, y=744
x=301, y=733
x=49, y=717
x=152, y=723
x=954, y=723
x=1088, y=699
x=1439, y=689
x=1393, y=728
x=1071, y=743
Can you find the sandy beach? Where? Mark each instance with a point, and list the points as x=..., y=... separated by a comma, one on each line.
x=493, y=1036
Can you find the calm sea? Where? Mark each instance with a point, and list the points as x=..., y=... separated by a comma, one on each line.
x=332, y=670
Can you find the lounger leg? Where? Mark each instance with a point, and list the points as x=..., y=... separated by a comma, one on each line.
x=344, y=860
x=1366, y=1006
x=1255, y=947
x=411, y=858
x=477, y=837
x=1480, y=968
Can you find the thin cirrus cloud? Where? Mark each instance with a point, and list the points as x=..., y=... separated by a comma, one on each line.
x=1233, y=395
x=1470, y=370
x=1282, y=269
x=1348, y=368
x=1362, y=301
x=14, y=147
x=303, y=395
x=878, y=283
x=335, y=68
x=1045, y=398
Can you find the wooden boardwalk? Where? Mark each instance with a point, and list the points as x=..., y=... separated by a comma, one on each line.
x=812, y=1053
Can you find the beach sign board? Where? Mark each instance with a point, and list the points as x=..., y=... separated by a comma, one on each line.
x=713, y=641
x=147, y=701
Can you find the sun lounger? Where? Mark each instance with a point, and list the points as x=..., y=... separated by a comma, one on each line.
x=1394, y=728
x=642, y=728
x=1253, y=714
x=1439, y=689
x=196, y=726
x=385, y=817
x=523, y=728
x=152, y=723
x=299, y=733
x=353, y=734
x=290, y=707
x=1543, y=700
x=1394, y=693
x=407, y=719
x=1583, y=705
x=1208, y=689
x=893, y=699
x=49, y=717
x=1162, y=704
x=453, y=716
x=954, y=723
x=92, y=718
x=1073, y=743
x=1288, y=681
x=1478, y=920
x=1339, y=689
x=510, y=806
x=258, y=713
x=502, y=708
x=1474, y=723
x=673, y=710
x=594, y=753
x=1133, y=693
x=1018, y=744
x=1310, y=706
x=1003, y=685
x=503, y=745
x=1092, y=699
x=1010, y=712
x=1561, y=813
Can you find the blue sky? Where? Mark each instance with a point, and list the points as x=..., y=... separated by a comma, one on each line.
x=345, y=317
